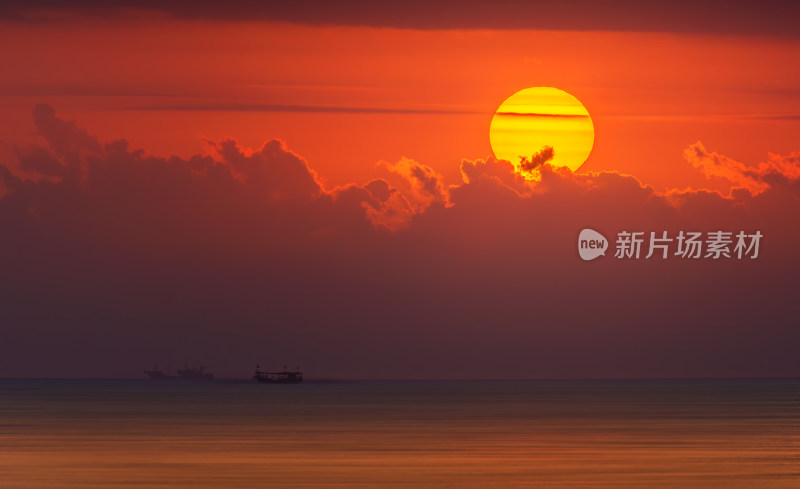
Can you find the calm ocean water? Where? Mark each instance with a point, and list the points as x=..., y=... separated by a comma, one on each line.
x=429, y=434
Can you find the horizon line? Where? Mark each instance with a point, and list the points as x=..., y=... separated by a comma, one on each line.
x=411, y=379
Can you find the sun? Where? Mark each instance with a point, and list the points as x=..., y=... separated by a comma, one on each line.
x=542, y=124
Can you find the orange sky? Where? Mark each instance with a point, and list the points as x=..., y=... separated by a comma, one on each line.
x=342, y=204
x=650, y=95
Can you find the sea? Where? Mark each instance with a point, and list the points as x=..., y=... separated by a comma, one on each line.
x=400, y=434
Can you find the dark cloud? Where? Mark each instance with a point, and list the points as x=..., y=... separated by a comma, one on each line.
x=534, y=114
x=112, y=259
x=769, y=17
x=316, y=109
x=774, y=117
x=538, y=159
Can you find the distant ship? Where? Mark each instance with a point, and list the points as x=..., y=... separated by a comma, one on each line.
x=192, y=373
x=283, y=377
x=157, y=374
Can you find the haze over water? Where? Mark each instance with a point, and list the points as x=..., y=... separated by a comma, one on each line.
x=421, y=434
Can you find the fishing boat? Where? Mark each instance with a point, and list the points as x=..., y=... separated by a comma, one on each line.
x=285, y=376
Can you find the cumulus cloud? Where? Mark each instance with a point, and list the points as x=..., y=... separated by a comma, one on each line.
x=538, y=159
x=116, y=257
x=420, y=183
x=755, y=179
x=501, y=172
x=234, y=181
x=277, y=172
x=713, y=164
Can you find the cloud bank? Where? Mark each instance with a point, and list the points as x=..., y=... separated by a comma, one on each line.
x=116, y=258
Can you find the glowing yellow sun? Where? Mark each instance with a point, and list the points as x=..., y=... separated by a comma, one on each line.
x=535, y=119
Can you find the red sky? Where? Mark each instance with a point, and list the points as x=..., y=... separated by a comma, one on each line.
x=360, y=244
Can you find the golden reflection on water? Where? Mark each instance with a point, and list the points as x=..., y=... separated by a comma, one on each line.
x=422, y=435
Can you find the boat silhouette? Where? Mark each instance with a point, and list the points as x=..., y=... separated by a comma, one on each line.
x=285, y=376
